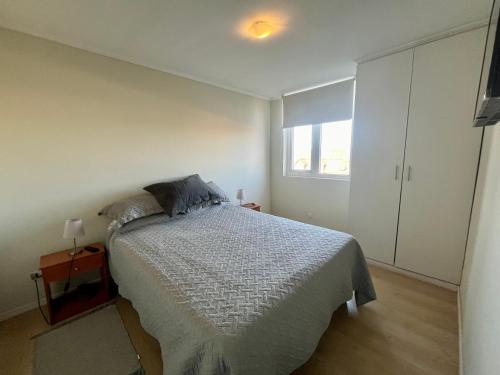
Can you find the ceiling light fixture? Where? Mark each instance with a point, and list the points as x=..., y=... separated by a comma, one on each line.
x=260, y=29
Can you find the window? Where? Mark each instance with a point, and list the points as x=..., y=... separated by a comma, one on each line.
x=321, y=150
x=336, y=148
x=301, y=149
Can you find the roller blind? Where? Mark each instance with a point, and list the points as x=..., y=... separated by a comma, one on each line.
x=324, y=104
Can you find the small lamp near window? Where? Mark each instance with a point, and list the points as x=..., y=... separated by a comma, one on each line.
x=240, y=195
x=73, y=228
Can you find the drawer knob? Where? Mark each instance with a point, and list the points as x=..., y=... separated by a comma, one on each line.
x=75, y=268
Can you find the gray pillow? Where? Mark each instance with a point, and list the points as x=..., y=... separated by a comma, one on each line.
x=132, y=208
x=179, y=196
x=220, y=194
x=217, y=196
x=201, y=205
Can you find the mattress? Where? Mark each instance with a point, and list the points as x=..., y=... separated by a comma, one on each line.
x=227, y=290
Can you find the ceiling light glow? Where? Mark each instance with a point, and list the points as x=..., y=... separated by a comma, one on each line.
x=260, y=29
x=262, y=25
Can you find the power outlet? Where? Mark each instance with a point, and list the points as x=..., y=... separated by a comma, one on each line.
x=35, y=275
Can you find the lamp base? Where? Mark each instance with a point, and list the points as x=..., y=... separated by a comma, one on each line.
x=75, y=251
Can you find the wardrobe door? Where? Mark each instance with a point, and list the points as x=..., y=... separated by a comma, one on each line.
x=442, y=151
x=381, y=105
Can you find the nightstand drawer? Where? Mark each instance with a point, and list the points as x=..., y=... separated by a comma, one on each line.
x=61, y=271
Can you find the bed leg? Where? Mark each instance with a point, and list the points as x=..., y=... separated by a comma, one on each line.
x=352, y=307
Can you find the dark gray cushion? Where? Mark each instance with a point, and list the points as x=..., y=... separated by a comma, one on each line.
x=220, y=194
x=179, y=196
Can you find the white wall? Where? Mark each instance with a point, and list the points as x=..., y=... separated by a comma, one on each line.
x=480, y=287
x=295, y=197
x=79, y=130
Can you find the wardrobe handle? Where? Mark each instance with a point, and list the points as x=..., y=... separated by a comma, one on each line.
x=409, y=172
x=397, y=172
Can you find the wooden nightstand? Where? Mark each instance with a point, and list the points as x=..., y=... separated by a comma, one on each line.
x=56, y=267
x=252, y=206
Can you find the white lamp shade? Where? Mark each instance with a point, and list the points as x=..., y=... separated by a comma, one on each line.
x=73, y=228
x=240, y=194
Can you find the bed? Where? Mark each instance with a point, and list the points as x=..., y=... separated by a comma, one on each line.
x=227, y=290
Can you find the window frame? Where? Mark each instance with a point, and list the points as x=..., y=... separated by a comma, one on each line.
x=314, y=172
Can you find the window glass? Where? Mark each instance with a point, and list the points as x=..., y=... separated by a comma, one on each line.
x=335, y=148
x=301, y=148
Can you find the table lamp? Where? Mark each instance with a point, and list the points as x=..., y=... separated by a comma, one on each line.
x=240, y=195
x=73, y=228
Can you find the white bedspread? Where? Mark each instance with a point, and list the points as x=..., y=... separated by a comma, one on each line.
x=227, y=290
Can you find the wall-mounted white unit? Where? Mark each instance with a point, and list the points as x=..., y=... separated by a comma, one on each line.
x=414, y=155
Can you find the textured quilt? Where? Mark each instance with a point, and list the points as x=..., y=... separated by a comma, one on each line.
x=227, y=290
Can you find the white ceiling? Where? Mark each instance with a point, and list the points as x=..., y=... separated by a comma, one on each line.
x=318, y=42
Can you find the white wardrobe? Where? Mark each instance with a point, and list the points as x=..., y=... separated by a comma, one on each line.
x=415, y=154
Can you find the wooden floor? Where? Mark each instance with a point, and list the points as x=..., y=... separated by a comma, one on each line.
x=410, y=329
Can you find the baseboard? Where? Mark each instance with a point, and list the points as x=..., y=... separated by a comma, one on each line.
x=427, y=279
x=4, y=315
x=460, y=331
